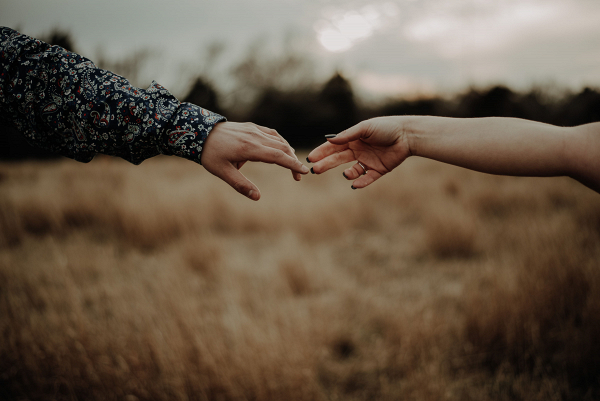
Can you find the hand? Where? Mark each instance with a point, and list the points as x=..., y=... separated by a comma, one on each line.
x=379, y=144
x=230, y=145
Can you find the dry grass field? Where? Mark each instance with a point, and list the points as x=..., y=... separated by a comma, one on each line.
x=159, y=282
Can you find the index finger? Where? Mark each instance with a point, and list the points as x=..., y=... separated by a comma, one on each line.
x=324, y=150
x=354, y=133
x=277, y=136
x=271, y=155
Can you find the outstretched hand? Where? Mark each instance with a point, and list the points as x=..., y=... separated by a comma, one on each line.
x=379, y=144
x=230, y=145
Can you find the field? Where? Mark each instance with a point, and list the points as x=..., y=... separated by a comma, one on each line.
x=159, y=282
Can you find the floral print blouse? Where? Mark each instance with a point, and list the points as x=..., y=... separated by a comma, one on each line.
x=62, y=102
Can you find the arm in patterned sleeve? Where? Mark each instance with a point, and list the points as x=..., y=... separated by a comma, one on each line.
x=62, y=102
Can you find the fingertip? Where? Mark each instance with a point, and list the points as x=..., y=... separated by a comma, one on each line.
x=350, y=174
x=254, y=194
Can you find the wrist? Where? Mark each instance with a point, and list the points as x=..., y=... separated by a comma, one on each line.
x=579, y=153
x=408, y=134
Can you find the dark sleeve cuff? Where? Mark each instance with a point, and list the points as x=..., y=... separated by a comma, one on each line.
x=188, y=130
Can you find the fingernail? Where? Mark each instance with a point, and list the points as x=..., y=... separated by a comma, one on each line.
x=251, y=194
x=330, y=136
x=304, y=169
x=312, y=171
x=345, y=176
x=352, y=186
x=308, y=160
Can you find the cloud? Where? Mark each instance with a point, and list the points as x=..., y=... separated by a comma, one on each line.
x=445, y=43
x=341, y=28
x=483, y=27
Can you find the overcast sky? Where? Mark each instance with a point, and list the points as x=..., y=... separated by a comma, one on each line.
x=391, y=47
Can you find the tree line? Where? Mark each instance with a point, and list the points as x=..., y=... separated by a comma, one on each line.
x=304, y=113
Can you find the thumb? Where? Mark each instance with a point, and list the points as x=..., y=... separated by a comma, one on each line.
x=239, y=182
x=351, y=134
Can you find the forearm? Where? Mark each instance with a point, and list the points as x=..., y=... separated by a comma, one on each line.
x=494, y=145
x=584, y=155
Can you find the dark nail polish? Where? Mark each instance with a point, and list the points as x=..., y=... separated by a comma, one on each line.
x=352, y=186
x=345, y=176
x=308, y=160
x=330, y=136
x=312, y=171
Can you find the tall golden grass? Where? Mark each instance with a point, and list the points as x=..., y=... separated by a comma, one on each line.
x=159, y=282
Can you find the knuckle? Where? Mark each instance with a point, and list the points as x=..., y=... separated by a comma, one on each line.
x=280, y=154
x=250, y=128
x=245, y=146
x=363, y=125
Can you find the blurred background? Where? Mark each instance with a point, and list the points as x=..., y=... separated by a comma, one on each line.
x=159, y=282
x=312, y=67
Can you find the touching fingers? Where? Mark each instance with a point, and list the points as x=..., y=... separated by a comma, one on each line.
x=332, y=161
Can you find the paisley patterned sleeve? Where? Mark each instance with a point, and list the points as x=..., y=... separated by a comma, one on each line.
x=62, y=102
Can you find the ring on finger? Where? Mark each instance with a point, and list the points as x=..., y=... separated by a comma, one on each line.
x=363, y=167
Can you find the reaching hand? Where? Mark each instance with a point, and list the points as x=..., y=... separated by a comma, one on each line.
x=379, y=144
x=230, y=145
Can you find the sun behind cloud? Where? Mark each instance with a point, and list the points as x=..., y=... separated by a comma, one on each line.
x=341, y=29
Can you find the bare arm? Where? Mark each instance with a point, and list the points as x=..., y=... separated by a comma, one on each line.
x=507, y=146
x=495, y=145
x=583, y=155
